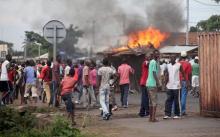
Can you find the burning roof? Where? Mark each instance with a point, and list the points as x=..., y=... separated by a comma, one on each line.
x=144, y=38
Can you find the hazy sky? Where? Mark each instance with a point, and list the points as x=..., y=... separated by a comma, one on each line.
x=17, y=16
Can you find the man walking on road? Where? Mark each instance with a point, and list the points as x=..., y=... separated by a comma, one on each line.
x=104, y=74
x=124, y=71
x=173, y=85
x=153, y=84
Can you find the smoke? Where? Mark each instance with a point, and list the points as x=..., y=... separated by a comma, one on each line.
x=105, y=20
x=166, y=15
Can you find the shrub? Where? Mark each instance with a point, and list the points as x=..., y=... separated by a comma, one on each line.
x=24, y=124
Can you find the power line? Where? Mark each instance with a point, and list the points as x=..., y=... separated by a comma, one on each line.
x=206, y=4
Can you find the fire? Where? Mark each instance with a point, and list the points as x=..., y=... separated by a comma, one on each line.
x=144, y=38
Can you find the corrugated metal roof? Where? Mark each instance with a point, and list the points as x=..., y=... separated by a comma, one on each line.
x=177, y=49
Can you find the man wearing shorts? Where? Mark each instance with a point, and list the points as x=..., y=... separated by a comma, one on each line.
x=4, y=80
x=30, y=75
x=153, y=84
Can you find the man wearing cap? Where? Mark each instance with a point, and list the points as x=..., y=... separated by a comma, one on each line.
x=195, y=77
x=185, y=82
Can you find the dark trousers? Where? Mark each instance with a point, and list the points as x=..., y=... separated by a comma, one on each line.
x=144, y=110
x=124, y=94
x=173, y=95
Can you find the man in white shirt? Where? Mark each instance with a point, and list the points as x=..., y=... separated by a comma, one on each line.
x=173, y=85
x=104, y=74
x=4, y=81
x=68, y=67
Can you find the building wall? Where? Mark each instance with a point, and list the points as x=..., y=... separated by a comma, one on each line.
x=180, y=39
x=209, y=54
x=3, y=50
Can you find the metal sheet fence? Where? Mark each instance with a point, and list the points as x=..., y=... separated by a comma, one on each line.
x=209, y=53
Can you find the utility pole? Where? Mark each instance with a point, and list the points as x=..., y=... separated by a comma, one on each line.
x=187, y=22
x=25, y=49
x=123, y=24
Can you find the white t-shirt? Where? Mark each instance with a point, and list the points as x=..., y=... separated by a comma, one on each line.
x=105, y=73
x=163, y=68
x=67, y=70
x=174, y=78
x=4, y=72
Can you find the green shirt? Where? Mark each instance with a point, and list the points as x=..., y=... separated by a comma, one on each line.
x=195, y=69
x=153, y=67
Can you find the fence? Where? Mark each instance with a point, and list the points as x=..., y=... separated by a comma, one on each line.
x=209, y=53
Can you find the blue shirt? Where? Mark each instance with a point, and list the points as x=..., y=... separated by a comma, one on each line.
x=30, y=75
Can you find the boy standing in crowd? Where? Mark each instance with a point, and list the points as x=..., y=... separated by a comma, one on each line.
x=46, y=75
x=144, y=110
x=55, y=80
x=124, y=71
x=4, y=80
x=173, y=85
x=30, y=75
x=87, y=91
x=195, y=77
x=185, y=83
x=153, y=84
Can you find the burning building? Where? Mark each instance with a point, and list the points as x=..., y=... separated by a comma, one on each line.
x=141, y=42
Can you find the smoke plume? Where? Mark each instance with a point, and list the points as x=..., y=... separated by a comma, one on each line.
x=166, y=15
x=107, y=20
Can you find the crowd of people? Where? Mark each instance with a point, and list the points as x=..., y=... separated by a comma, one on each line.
x=94, y=84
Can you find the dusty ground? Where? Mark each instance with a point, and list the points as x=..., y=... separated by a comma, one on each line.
x=127, y=123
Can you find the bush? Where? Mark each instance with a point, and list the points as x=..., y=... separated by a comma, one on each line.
x=24, y=124
x=14, y=121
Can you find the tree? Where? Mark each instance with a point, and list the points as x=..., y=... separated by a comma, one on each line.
x=72, y=37
x=67, y=46
x=193, y=29
x=211, y=24
x=31, y=41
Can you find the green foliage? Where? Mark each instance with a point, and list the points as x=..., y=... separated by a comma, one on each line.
x=61, y=128
x=13, y=121
x=24, y=124
x=72, y=37
x=211, y=24
x=68, y=45
x=32, y=48
x=193, y=29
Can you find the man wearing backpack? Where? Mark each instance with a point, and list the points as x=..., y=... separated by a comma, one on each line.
x=46, y=75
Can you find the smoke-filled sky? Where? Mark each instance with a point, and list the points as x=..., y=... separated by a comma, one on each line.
x=113, y=18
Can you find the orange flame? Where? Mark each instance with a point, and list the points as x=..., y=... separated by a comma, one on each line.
x=144, y=38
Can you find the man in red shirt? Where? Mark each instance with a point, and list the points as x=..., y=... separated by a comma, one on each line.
x=46, y=75
x=144, y=110
x=67, y=85
x=124, y=71
x=185, y=83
